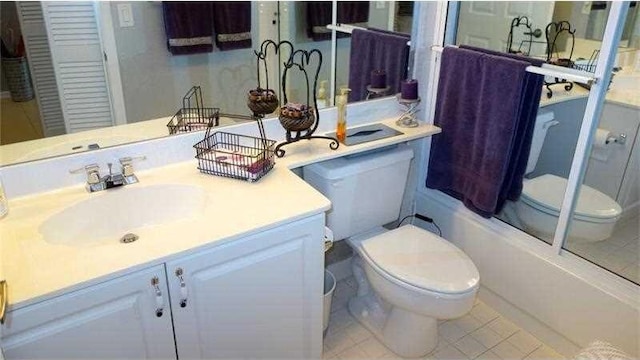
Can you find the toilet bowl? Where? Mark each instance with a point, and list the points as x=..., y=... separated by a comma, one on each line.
x=408, y=278
x=538, y=208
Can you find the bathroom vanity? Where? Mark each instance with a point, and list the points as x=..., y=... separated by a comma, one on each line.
x=239, y=277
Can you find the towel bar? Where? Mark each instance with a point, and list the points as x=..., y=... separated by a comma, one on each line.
x=346, y=28
x=551, y=70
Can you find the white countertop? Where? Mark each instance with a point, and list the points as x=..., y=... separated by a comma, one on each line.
x=36, y=270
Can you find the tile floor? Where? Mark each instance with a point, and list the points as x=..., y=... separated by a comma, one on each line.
x=19, y=121
x=619, y=254
x=481, y=334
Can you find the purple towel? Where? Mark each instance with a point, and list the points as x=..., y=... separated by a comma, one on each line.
x=376, y=50
x=188, y=26
x=481, y=102
x=530, y=104
x=232, y=23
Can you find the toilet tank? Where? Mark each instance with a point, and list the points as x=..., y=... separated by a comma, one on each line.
x=365, y=190
x=544, y=121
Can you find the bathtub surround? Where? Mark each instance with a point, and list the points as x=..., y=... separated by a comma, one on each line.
x=481, y=155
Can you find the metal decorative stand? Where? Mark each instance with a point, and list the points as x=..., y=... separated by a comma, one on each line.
x=259, y=104
x=302, y=126
x=552, y=32
x=408, y=117
x=374, y=93
x=515, y=23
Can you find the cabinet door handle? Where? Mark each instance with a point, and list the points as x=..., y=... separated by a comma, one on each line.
x=4, y=300
x=184, y=293
x=155, y=282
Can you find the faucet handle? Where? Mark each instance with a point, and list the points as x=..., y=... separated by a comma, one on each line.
x=92, y=171
x=126, y=162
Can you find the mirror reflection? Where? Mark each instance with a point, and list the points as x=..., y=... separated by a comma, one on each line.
x=373, y=61
x=604, y=225
x=71, y=71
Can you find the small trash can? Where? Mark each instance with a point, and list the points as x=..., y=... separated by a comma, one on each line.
x=329, y=288
x=16, y=71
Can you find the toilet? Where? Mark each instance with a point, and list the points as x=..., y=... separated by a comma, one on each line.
x=539, y=205
x=408, y=278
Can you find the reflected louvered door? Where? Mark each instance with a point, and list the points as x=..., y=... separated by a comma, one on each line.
x=78, y=61
x=40, y=63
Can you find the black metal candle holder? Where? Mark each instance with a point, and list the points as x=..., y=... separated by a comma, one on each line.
x=300, y=124
x=552, y=32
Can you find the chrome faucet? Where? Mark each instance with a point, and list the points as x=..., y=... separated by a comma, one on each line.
x=97, y=183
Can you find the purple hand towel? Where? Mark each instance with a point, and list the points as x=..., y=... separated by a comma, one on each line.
x=481, y=99
x=188, y=26
x=376, y=50
x=232, y=23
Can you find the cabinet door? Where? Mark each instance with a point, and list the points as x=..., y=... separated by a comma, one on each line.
x=116, y=319
x=256, y=297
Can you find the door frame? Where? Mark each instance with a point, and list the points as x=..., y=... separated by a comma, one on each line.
x=111, y=62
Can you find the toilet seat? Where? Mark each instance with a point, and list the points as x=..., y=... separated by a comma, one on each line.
x=546, y=193
x=416, y=257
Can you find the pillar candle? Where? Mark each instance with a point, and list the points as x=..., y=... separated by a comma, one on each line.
x=409, y=89
x=378, y=79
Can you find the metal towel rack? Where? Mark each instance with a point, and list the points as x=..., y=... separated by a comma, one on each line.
x=551, y=70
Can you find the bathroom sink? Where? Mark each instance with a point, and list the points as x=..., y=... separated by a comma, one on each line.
x=109, y=215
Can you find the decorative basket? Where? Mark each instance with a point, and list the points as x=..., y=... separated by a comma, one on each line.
x=262, y=104
x=190, y=119
x=302, y=123
x=235, y=156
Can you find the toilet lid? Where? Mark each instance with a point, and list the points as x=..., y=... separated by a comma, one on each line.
x=422, y=259
x=546, y=193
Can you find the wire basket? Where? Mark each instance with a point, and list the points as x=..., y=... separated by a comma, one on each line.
x=193, y=119
x=193, y=116
x=235, y=156
x=588, y=65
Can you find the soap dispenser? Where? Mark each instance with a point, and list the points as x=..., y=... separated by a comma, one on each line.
x=341, y=103
x=4, y=203
x=322, y=95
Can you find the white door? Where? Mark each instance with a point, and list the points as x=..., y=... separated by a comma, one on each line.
x=36, y=42
x=486, y=24
x=258, y=297
x=78, y=61
x=117, y=319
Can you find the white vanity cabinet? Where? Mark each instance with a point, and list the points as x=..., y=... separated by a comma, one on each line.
x=116, y=319
x=258, y=297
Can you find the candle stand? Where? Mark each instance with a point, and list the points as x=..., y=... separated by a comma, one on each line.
x=408, y=117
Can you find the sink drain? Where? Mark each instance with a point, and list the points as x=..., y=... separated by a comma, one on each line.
x=129, y=238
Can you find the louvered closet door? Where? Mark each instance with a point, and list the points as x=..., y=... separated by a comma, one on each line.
x=78, y=62
x=42, y=74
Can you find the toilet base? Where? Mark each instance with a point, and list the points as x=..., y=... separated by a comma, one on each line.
x=406, y=333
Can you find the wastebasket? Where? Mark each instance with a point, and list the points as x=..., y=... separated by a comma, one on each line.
x=329, y=288
x=16, y=71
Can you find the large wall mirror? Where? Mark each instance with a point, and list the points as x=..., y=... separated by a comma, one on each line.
x=95, y=67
